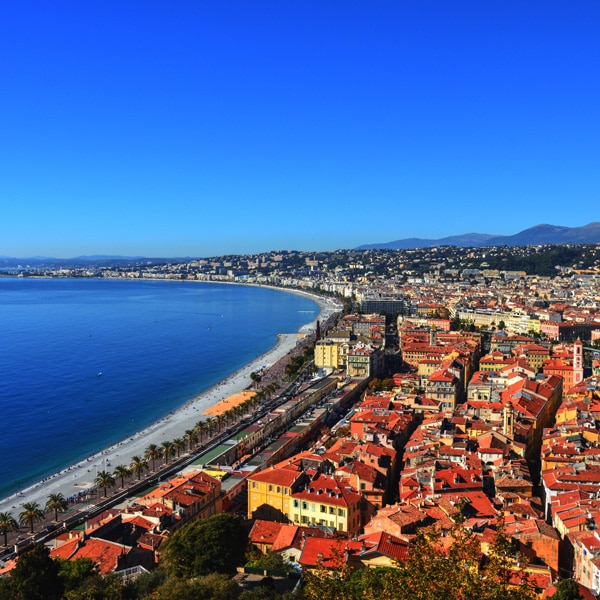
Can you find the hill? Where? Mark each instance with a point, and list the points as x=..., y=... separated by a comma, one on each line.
x=537, y=235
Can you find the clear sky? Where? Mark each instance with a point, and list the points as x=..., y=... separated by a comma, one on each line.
x=199, y=128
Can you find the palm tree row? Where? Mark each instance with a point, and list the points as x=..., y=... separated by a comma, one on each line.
x=33, y=513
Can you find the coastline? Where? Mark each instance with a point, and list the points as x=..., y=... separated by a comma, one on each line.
x=80, y=476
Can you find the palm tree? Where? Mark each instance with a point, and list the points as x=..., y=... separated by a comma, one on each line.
x=30, y=514
x=210, y=424
x=258, y=398
x=138, y=465
x=220, y=419
x=153, y=453
x=7, y=523
x=104, y=479
x=178, y=446
x=167, y=450
x=190, y=436
x=122, y=471
x=228, y=415
x=57, y=502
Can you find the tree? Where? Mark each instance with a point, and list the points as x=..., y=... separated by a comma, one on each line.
x=190, y=436
x=36, y=575
x=122, y=471
x=138, y=465
x=567, y=589
x=105, y=480
x=215, y=545
x=57, y=502
x=211, y=587
x=153, y=453
x=7, y=523
x=220, y=419
x=178, y=446
x=255, y=377
x=75, y=573
x=272, y=561
x=167, y=448
x=31, y=514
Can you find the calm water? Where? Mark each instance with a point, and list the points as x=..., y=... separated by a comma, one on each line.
x=156, y=344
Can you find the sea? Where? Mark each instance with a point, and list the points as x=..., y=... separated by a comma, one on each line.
x=86, y=363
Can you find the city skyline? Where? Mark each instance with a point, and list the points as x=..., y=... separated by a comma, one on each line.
x=203, y=130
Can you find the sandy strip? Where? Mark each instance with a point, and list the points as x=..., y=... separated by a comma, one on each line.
x=80, y=476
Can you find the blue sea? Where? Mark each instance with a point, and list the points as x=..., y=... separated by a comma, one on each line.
x=85, y=363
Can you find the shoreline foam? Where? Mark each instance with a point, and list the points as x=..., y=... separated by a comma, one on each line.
x=80, y=476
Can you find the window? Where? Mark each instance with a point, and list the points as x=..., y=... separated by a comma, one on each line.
x=270, y=488
x=340, y=512
x=305, y=505
x=331, y=510
x=278, y=489
x=254, y=485
x=323, y=508
x=313, y=507
x=296, y=503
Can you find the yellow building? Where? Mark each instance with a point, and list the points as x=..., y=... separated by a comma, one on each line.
x=287, y=493
x=327, y=354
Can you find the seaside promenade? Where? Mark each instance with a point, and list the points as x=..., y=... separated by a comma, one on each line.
x=77, y=482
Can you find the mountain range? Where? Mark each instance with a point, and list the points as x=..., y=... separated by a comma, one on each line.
x=534, y=236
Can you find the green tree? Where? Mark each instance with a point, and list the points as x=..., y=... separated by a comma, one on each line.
x=57, y=502
x=272, y=561
x=190, y=435
x=138, y=466
x=75, y=572
x=36, y=576
x=567, y=589
x=215, y=545
x=145, y=584
x=211, y=587
x=220, y=419
x=7, y=523
x=122, y=471
x=105, y=480
x=153, y=453
x=31, y=514
x=167, y=449
x=178, y=446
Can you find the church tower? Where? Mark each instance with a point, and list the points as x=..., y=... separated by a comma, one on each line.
x=509, y=421
x=433, y=336
x=577, y=362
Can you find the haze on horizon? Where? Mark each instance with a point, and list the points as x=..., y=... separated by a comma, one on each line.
x=201, y=129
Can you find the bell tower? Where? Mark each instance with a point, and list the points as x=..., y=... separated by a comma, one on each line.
x=577, y=362
x=509, y=421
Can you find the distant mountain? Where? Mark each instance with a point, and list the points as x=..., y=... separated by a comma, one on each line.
x=538, y=235
x=96, y=261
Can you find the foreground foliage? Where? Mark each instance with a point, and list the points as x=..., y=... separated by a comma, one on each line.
x=198, y=560
x=215, y=545
x=435, y=570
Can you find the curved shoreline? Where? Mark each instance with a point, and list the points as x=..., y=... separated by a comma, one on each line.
x=80, y=476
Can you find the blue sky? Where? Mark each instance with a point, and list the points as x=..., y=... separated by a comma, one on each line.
x=200, y=128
